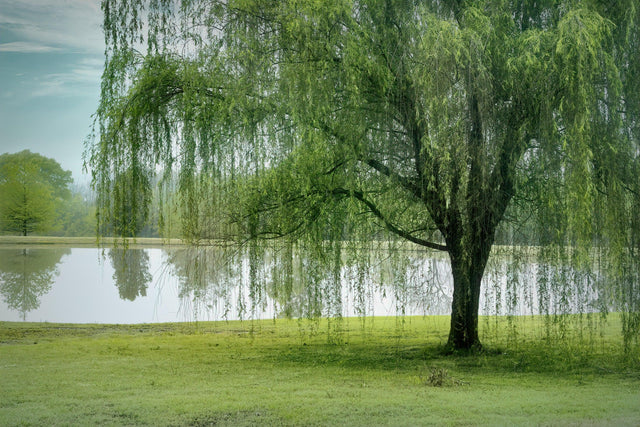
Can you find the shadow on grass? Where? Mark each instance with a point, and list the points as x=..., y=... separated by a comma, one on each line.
x=538, y=358
x=377, y=351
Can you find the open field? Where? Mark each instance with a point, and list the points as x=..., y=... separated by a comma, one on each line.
x=380, y=371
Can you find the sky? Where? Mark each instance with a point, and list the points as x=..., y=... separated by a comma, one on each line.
x=51, y=59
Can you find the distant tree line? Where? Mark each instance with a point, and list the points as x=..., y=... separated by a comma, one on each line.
x=37, y=196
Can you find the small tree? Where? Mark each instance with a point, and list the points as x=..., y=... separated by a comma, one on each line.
x=32, y=187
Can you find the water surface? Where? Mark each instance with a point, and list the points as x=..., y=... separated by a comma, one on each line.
x=90, y=285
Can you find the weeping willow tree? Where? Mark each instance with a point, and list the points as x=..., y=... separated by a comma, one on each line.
x=440, y=123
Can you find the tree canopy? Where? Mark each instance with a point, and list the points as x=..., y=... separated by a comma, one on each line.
x=32, y=187
x=442, y=123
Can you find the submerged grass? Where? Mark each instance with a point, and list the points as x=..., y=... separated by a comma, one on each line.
x=377, y=371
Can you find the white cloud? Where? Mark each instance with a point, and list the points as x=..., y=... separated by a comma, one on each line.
x=43, y=25
x=83, y=76
x=26, y=47
x=69, y=29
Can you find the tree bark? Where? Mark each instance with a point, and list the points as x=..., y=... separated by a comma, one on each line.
x=463, y=333
x=468, y=262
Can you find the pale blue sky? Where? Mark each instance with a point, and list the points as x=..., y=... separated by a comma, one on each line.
x=51, y=59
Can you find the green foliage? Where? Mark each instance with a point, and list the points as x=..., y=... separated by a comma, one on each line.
x=32, y=188
x=77, y=217
x=441, y=123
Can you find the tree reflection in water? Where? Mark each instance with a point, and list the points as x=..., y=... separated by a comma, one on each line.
x=205, y=282
x=27, y=274
x=130, y=272
x=280, y=281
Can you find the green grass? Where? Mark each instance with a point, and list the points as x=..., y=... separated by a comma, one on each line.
x=381, y=371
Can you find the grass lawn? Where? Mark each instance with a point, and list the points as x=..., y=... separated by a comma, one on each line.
x=380, y=371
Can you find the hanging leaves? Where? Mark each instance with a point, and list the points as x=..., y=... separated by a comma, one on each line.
x=447, y=124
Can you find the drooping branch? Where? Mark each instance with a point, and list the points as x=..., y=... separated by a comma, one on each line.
x=359, y=195
x=405, y=182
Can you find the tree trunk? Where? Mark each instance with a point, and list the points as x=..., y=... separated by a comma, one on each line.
x=467, y=268
x=467, y=277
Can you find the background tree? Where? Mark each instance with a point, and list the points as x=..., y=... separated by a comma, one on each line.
x=436, y=122
x=32, y=188
x=77, y=217
x=129, y=204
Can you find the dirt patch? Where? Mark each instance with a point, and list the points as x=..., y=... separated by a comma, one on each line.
x=237, y=418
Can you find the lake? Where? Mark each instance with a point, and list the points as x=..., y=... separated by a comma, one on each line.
x=91, y=285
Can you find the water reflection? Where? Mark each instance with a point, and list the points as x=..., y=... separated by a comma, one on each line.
x=211, y=283
x=200, y=274
x=280, y=282
x=130, y=272
x=26, y=275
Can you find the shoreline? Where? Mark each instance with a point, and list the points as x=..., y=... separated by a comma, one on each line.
x=89, y=242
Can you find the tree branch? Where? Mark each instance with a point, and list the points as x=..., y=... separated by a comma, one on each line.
x=358, y=195
x=405, y=182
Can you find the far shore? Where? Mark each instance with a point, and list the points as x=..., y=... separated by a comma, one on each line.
x=89, y=242
x=8, y=241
